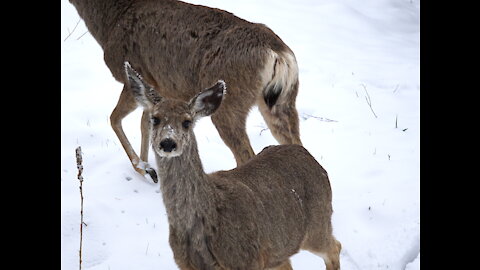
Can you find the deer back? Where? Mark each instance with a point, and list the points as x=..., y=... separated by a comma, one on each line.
x=180, y=47
x=284, y=193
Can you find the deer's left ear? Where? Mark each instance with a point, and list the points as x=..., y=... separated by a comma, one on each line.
x=207, y=102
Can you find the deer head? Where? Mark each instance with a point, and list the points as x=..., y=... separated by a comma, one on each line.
x=171, y=120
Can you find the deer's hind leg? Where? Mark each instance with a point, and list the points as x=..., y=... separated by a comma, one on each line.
x=282, y=119
x=329, y=250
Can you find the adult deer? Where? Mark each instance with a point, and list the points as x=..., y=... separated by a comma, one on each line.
x=179, y=48
x=250, y=218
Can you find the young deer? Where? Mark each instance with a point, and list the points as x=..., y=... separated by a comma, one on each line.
x=179, y=47
x=252, y=217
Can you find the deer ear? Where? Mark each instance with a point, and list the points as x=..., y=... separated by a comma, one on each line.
x=144, y=94
x=207, y=102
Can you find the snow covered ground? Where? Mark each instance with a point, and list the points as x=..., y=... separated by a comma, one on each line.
x=359, y=104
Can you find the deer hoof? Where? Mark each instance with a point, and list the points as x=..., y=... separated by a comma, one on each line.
x=153, y=174
x=143, y=168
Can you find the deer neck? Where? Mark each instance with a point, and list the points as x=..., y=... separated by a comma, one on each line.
x=187, y=193
x=100, y=16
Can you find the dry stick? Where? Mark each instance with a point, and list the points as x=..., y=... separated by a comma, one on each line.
x=369, y=101
x=82, y=35
x=305, y=116
x=263, y=129
x=78, y=153
x=396, y=88
x=72, y=31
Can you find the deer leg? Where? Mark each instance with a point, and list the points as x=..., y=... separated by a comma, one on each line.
x=282, y=120
x=330, y=254
x=232, y=129
x=145, y=129
x=127, y=104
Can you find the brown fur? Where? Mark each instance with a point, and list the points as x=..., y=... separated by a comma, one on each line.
x=180, y=48
x=252, y=217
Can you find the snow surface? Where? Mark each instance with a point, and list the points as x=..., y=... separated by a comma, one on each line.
x=359, y=104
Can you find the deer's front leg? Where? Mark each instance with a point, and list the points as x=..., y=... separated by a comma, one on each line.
x=127, y=104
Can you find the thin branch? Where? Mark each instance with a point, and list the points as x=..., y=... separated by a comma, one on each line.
x=82, y=35
x=305, y=116
x=70, y=33
x=396, y=88
x=78, y=153
x=369, y=101
x=263, y=129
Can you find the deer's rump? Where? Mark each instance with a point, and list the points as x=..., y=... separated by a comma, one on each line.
x=178, y=50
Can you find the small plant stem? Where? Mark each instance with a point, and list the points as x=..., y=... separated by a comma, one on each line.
x=369, y=101
x=70, y=33
x=78, y=153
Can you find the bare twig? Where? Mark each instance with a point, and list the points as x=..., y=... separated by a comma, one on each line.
x=369, y=101
x=78, y=153
x=82, y=35
x=396, y=123
x=305, y=116
x=70, y=33
x=263, y=129
x=396, y=88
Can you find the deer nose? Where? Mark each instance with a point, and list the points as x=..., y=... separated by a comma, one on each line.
x=168, y=145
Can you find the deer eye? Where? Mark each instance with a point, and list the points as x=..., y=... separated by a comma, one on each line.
x=155, y=121
x=186, y=123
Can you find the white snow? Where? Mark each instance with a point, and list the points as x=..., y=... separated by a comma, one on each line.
x=357, y=59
